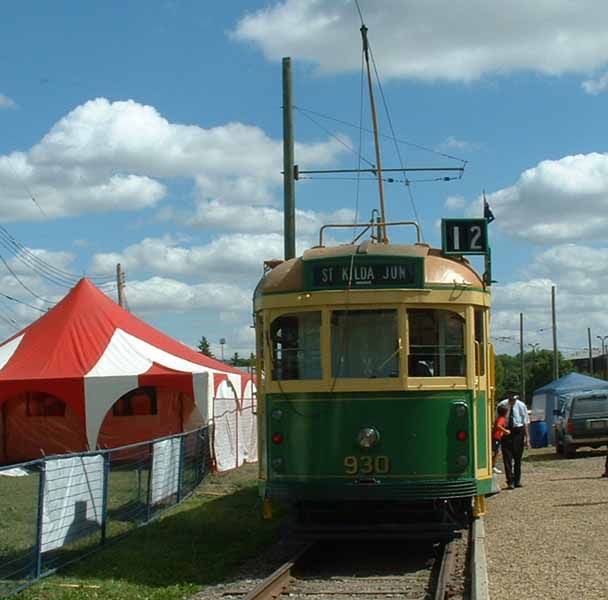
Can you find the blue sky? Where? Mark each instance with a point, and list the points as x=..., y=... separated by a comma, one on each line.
x=149, y=134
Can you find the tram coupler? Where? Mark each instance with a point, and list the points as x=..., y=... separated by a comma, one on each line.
x=479, y=506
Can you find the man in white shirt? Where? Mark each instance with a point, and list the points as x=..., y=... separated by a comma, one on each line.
x=513, y=444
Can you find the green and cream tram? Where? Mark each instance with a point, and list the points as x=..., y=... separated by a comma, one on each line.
x=374, y=378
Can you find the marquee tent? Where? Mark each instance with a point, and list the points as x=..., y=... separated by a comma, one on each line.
x=88, y=374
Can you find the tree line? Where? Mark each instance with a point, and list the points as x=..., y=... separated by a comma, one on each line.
x=236, y=361
x=538, y=371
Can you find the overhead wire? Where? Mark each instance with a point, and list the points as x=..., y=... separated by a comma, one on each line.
x=18, y=279
x=338, y=139
x=22, y=302
x=50, y=269
x=388, y=137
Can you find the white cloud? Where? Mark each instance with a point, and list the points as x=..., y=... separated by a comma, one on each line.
x=556, y=201
x=580, y=275
x=451, y=144
x=227, y=257
x=261, y=219
x=596, y=86
x=455, y=202
x=109, y=156
x=6, y=102
x=160, y=294
x=435, y=40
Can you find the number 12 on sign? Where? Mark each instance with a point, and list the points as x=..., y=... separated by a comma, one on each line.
x=464, y=236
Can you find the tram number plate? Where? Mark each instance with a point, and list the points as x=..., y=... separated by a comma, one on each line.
x=367, y=465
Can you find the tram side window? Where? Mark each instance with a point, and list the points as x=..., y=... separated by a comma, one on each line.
x=365, y=343
x=480, y=347
x=296, y=346
x=436, y=340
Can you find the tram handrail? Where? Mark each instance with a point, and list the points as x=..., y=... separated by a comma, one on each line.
x=368, y=225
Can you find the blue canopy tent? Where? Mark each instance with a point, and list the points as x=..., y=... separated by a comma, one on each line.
x=547, y=398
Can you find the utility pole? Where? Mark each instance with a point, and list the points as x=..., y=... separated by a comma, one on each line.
x=289, y=187
x=521, y=354
x=554, y=321
x=590, y=351
x=120, y=283
x=603, y=338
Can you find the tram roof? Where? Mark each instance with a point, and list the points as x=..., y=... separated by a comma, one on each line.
x=439, y=270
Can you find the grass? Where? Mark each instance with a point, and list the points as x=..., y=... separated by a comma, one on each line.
x=195, y=544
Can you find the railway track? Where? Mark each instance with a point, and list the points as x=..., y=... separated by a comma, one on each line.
x=362, y=569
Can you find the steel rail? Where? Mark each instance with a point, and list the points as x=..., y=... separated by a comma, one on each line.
x=445, y=571
x=278, y=581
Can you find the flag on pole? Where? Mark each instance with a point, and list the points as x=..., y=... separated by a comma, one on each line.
x=487, y=212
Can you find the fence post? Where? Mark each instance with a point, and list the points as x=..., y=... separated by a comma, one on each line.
x=149, y=493
x=104, y=501
x=41, y=482
x=180, y=472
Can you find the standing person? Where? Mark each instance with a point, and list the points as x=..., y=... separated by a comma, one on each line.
x=514, y=443
x=500, y=429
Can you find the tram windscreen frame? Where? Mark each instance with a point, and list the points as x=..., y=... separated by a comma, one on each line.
x=436, y=343
x=365, y=343
x=295, y=340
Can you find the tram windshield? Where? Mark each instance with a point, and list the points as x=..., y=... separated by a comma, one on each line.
x=365, y=343
x=296, y=346
x=436, y=343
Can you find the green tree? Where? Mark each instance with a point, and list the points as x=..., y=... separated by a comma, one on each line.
x=538, y=372
x=204, y=348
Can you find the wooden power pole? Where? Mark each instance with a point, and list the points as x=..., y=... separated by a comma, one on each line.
x=120, y=283
x=554, y=321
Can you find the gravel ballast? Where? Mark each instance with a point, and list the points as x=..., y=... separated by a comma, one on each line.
x=548, y=538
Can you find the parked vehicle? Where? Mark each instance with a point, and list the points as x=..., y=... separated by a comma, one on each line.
x=582, y=421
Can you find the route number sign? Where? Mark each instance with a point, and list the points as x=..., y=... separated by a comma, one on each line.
x=464, y=236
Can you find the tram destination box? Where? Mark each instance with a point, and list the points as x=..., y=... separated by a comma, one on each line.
x=365, y=272
x=464, y=236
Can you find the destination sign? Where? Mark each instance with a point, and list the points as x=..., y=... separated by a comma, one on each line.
x=464, y=236
x=365, y=273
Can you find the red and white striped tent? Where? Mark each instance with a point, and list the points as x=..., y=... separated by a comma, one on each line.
x=68, y=381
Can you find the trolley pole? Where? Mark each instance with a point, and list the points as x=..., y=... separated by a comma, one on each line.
x=289, y=188
x=521, y=354
x=554, y=321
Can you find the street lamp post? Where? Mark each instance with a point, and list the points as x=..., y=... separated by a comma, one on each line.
x=534, y=347
x=603, y=339
x=222, y=342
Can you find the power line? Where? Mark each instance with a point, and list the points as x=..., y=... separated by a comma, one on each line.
x=29, y=257
x=25, y=287
x=22, y=302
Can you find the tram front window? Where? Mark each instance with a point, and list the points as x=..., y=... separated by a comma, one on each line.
x=296, y=346
x=436, y=343
x=364, y=343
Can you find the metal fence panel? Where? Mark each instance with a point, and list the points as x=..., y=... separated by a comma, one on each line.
x=57, y=510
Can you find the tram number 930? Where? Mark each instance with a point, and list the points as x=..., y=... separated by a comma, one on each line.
x=367, y=465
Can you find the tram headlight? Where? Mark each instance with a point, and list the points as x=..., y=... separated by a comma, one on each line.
x=368, y=437
x=277, y=413
x=277, y=463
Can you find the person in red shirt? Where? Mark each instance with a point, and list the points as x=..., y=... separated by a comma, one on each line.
x=498, y=431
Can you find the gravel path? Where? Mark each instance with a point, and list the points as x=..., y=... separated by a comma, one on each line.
x=546, y=539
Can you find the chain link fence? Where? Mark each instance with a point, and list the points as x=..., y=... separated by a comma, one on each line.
x=56, y=510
